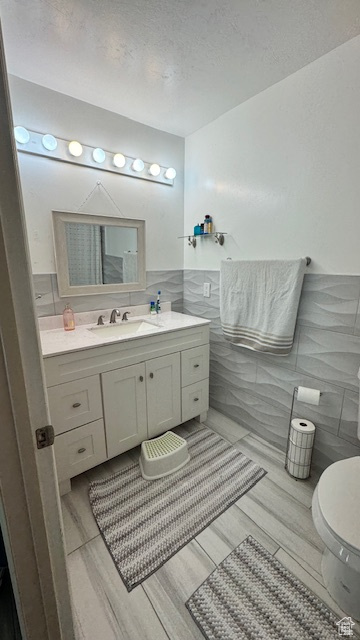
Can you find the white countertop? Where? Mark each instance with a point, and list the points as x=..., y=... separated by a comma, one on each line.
x=57, y=341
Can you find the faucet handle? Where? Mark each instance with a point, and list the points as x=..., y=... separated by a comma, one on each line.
x=100, y=320
x=125, y=315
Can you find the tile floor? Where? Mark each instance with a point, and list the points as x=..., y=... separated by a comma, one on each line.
x=277, y=512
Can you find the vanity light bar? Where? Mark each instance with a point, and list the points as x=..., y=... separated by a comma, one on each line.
x=72, y=151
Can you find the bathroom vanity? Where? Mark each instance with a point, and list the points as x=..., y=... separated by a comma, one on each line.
x=108, y=393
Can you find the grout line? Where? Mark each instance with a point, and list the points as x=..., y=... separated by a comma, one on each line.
x=289, y=553
x=341, y=412
x=98, y=535
x=204, y=550
x=153, y=607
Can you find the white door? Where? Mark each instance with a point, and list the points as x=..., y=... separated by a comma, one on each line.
x=30, y=504
x=163, y=393
x=124, y=408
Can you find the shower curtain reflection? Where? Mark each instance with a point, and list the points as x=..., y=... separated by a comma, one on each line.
x=84, y=253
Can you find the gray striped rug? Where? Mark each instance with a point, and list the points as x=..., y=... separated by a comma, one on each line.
x=250, y=595
x=144, y=523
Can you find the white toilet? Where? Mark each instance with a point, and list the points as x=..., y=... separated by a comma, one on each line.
x=336, y=515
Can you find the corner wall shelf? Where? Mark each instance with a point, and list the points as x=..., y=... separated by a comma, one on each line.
x=218, y=235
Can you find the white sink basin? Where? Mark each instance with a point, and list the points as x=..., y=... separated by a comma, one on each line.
x=125, y=328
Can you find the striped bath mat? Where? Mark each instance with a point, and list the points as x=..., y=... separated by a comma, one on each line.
x=144, y=523
x=251, y=595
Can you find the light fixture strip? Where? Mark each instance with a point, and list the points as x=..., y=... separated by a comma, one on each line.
x=35, y=147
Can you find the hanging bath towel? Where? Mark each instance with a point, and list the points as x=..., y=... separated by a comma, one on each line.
x=259, y=303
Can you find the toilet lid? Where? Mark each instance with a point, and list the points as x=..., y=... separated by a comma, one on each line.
x=339, y=499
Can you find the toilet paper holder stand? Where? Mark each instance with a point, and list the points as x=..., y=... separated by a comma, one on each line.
x=288, y=436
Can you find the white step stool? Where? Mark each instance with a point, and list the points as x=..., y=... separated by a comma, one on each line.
x=163, y=455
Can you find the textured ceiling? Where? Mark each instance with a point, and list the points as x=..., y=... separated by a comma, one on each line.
x=174, y=65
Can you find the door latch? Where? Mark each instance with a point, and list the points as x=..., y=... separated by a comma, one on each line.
x=45, y=436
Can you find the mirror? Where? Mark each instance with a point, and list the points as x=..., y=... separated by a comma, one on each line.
x=98, y=254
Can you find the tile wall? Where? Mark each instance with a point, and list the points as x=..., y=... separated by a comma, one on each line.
x=48, y=302
x=256, y=390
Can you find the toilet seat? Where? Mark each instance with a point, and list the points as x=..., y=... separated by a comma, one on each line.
x=339, y=500
x=336, y=510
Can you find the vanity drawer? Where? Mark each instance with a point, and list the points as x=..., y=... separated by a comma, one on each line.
x=75, y=403
x=195, y=399
x=194, y=365
x=80, y=449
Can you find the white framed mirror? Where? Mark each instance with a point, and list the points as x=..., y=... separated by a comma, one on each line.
x=98, y=254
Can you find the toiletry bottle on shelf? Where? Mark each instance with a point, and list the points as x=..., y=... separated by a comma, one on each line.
x=210, y=225
x=158, y=304
x=202, y=229
x=197, y=229
x=68, y=318
x=152, y=308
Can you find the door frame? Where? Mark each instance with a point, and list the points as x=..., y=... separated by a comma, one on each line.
x=28, y=483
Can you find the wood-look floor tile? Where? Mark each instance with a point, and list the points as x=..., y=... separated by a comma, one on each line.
x=228, y=531
x=273, y=460
x=224, y=426
x=170, y=587
x=103, y=608
x=287, y=521
x=276, y=512
x=109, y=467
x=79, y=522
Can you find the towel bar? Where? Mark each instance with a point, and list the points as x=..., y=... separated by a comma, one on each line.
x=307, y=258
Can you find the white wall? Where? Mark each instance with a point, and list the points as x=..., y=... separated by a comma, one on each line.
x=281, y=172
x=47, y=184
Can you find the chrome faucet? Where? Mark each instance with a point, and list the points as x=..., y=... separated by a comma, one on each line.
x=125, y=316
x=114, y=313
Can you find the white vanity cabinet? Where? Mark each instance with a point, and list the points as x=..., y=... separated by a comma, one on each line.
x=163, y=394
x=141, y=402
x=107, y=399
x=125, y=408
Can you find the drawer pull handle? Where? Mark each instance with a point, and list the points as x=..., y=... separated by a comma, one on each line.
x=76, y=405
x=196, y=399
x=196, y=366
x=141, y=378
x=81, y=450
x=151, y=375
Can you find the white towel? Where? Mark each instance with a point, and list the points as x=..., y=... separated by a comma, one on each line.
x=259, y=303
x=130, y=266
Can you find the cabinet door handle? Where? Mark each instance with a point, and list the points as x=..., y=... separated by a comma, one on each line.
x=141, y=378
x=196, y=366
x=196, y=399
x=81, y=450
x=151, y=375
x=76, y=405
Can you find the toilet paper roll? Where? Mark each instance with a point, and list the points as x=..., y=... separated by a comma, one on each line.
x=310, y=396
x=301, y=440
x=303, y=426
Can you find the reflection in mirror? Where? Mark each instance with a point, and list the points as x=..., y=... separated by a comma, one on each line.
x=98, y=254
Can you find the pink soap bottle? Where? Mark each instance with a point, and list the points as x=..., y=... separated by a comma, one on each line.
x=68, y=318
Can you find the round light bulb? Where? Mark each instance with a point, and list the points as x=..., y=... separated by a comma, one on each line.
x=119, y=160
x=170, y=173
x=98, y=155
x=154, y=170
x=22, y=136
x=138, y=165
x=49, y=142
x=75, y=148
